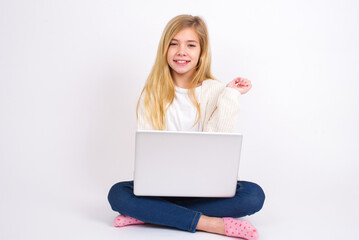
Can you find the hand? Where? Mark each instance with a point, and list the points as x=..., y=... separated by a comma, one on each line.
x=242, y=85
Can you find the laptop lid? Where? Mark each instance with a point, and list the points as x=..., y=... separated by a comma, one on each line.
x=186, y=164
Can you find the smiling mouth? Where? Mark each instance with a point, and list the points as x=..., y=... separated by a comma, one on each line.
x=181, y=61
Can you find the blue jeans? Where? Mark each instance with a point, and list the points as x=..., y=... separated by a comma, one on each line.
x=184, y=212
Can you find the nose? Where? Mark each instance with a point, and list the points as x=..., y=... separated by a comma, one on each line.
x=181, y=51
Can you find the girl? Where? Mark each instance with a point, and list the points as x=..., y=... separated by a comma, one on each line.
x=182, y=95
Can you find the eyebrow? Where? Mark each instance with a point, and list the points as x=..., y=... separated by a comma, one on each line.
x=187, y=40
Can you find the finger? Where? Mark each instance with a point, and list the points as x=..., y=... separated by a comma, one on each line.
x=246, y=82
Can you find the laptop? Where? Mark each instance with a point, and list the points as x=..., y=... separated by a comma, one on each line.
x=186, y=164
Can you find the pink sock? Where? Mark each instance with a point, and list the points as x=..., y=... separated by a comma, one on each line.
x=123, y=220
x=240, y=229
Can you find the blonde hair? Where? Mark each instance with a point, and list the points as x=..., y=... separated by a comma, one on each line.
x=159, y=90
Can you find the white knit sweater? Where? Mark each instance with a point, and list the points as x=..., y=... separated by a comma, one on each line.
x=219, y=108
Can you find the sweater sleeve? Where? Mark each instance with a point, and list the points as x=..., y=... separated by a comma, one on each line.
x=225, y=115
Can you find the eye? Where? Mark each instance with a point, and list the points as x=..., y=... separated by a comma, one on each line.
x=173, y=44
x=192, y=45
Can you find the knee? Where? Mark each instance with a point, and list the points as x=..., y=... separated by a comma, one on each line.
x=255, y=196
x=119, y=194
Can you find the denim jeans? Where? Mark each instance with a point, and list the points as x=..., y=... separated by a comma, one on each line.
x=184, y=212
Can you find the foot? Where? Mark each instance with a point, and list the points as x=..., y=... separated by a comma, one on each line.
x=123, y=220
x=240, y=229
x=211, y=224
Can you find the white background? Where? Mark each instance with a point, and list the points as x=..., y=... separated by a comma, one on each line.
x=70, y=76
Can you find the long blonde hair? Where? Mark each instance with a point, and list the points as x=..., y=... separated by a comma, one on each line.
x=159, y=90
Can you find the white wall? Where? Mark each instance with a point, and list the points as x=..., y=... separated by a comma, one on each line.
x=71, y=73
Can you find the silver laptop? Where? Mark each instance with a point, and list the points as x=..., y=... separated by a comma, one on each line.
x=186, y=164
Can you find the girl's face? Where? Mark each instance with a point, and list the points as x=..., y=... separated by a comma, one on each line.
x=183, y=53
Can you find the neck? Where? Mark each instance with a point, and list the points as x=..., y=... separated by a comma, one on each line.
x=183, y=80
